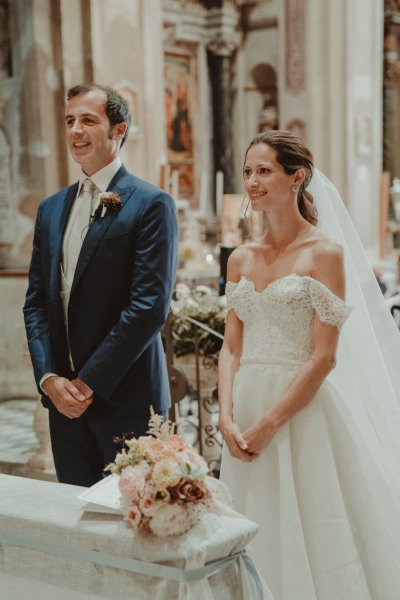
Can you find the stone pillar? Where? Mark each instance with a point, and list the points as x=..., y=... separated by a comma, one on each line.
x=220, y=77
x=221, y=49
x=364, y=118
x=338, y=102
x=32, y=166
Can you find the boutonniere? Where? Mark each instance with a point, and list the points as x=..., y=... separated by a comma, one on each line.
x=109, y=200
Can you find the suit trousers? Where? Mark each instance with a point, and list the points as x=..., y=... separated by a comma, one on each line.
x=82, y=447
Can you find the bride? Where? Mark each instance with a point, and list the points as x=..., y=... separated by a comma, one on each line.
x=312, y=450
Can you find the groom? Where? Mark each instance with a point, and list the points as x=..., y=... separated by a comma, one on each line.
x=100, y=282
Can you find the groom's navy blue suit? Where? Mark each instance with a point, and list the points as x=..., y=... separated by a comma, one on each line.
x=119, y=301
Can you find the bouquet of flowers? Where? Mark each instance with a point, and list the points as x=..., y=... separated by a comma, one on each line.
x=162, y=480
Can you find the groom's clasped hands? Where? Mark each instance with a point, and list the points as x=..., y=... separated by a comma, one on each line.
x=71, y=398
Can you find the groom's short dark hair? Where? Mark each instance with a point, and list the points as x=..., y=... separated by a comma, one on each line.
x=117, y=108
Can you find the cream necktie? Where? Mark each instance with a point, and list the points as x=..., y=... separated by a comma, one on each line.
x=77, y=228
x=75, y=232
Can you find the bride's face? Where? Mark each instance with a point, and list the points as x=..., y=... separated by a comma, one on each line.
x=266, y=183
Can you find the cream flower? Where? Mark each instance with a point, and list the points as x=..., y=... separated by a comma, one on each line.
x=153, y=500
x=166, y=473
x=196, y=463
x=171, y=519
x=134, y=516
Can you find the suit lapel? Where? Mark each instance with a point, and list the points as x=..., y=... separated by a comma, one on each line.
x=57, y=227
x=123, y=186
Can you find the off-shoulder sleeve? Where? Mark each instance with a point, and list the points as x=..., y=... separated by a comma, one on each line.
x=330, y=309
x=229, y=290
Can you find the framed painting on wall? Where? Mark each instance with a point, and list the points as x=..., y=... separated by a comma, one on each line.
x=180, y=106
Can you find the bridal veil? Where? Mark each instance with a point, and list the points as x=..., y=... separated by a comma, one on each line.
x=367, y=374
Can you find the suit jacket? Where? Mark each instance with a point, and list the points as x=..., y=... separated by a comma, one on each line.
x=119, y=301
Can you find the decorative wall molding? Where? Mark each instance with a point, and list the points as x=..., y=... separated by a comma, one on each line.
x=224, y=43
x=215, y=28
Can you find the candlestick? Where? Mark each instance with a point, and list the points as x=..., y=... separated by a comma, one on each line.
x=203, y=201
x=219, y=193
x=175, y=185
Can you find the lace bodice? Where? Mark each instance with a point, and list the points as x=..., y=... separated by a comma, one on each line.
x=278, y=320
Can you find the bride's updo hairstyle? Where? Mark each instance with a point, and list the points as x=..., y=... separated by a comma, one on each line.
x=292, y=154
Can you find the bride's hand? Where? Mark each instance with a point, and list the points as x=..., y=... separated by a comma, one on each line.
x=259, y=436
x=235, y=441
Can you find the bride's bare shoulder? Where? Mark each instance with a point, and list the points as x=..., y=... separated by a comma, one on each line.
x=328, y=264
x=325, y=247
x=238, y=259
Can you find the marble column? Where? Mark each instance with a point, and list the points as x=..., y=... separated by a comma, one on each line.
x=32, y=166
x=338, y=101
x=221, y=49
x=220, y=77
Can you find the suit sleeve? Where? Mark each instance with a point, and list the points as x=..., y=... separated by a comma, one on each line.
x=36, y=314
x=153, y=276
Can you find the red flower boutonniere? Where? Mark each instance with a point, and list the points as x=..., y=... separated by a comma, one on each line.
x=107, y=200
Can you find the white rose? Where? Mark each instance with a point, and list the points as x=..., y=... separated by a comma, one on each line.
x=166, y=473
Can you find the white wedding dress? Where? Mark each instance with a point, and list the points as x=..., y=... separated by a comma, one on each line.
x=328, y=513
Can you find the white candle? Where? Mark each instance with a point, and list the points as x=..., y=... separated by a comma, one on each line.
x=219, y=193
x=203, y=201
x=175, y=185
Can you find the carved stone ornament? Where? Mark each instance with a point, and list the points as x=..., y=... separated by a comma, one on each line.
x=224, y=43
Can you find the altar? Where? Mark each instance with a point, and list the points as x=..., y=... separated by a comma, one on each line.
x=51, y=547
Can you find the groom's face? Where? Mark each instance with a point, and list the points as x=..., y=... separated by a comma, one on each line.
x=91, y=140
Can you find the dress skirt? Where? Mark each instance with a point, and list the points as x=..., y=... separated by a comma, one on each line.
x=328, y=513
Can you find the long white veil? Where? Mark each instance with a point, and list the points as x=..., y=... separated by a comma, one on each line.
x=367, y=374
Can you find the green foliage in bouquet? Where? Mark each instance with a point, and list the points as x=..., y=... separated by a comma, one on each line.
x=204, y=305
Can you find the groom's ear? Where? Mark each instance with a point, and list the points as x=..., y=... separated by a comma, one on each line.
x=118, y=131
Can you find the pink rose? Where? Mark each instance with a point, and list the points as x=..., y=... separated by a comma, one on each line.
x=158, y=450
x=177, y=442
x=131, y=482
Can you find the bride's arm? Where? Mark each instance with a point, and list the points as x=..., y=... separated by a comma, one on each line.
x=228, y=364
x=305, y=385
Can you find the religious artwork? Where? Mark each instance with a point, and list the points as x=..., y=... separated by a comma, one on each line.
x=295, y=47
x=178, y=105
x=265, y=79
x=180, y=98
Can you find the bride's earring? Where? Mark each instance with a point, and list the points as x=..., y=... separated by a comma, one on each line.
x=294, y=189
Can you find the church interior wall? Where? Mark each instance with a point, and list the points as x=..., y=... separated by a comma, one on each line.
x=328, y=89
x=260, y=47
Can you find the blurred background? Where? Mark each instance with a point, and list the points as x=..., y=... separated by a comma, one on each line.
x=202, y=77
